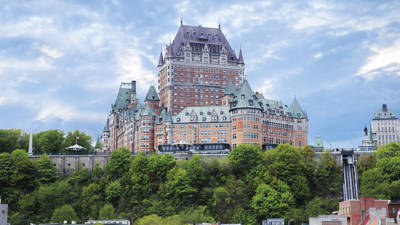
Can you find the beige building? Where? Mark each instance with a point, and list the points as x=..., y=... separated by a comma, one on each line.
x=385, y=126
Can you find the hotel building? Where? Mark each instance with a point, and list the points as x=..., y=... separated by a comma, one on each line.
x=203, y=100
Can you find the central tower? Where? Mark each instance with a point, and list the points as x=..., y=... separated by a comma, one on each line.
x=196, y=68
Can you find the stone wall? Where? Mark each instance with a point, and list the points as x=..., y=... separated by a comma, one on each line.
x=69, y=163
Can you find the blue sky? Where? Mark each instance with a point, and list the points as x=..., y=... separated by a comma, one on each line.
x=61, y=62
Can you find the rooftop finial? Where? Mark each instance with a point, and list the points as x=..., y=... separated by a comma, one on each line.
x=181, y=21
x=219, y=22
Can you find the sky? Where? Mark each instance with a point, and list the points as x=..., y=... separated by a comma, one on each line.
x=61, y=62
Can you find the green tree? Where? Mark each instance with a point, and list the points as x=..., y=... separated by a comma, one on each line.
x=229, y=200
x=92, y=199
x=84, y=140
x=119, y=164
x=150, y=220
x=46, y=170
x=6, y=170
x=364, y=163
x=107, y=212
x=12, y=139
x=50, y=141
x=285, y=163
x=177, y=192
x=24, y=171
x=272, y=203
x=328, y=178
x=244, y=157
x=196, y=215
x=65, y=212
x=113, y=191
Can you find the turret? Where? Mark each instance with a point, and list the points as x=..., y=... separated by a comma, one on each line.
x=160, y=60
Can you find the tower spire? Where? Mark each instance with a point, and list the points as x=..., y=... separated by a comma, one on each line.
x=241, y=56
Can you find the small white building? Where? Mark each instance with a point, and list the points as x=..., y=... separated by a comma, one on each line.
x=111, y=221
x=3, y=213
x=328, y=219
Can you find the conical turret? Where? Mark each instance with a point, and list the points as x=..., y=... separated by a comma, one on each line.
x=241, y=57
x=161, y=59
x=296, y=110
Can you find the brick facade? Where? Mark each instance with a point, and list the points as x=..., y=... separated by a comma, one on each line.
x=203, y=98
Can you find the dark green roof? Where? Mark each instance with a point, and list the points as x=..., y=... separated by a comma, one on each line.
x=107, y=126
x=123, y=97
x=152, y=94
x=296, y=110
x=230, y=89
x=245, y=98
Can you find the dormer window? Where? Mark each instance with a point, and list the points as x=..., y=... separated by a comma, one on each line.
x=201, y=113
x=178, y=119
x=242, y=97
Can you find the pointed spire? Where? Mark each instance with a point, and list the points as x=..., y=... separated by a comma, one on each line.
x=296, y=109
x=241, y=56
x=169, y=117
x=152, y=94
x=161, y=59
x=230, y=89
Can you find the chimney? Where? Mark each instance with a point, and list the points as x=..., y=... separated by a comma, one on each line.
x=384, y=108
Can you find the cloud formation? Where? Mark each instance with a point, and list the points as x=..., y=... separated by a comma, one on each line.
x=61, y=63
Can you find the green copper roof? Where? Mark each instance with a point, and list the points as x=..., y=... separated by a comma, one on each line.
x=296, y=110
x=203, y=114
x=230, y=89
x=123, y=97
x=152, y=94
x=245, y=97
x=318, y=142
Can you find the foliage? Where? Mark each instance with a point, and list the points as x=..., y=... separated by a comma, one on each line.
x=64, y=213
x=107, y=212
x=246, y=187
x=12, y=139
x=51, y=141
x=46, y=170
x=381, y=173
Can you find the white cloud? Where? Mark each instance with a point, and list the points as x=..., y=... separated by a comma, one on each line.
x=386, y=59
x=50, y=109
x=3, y=100
x=38, y=64
x=130, y=66
x=52, y=52
x=267, y=88
x=318, y=55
